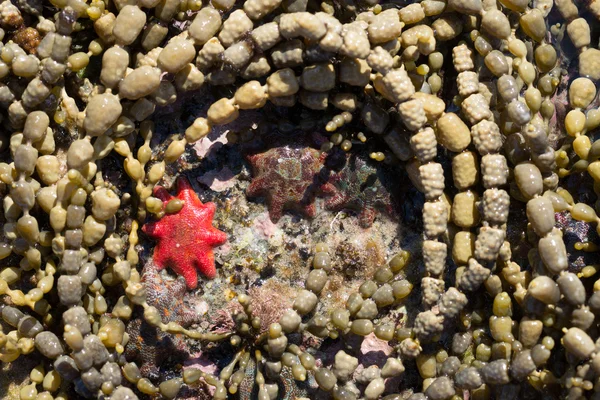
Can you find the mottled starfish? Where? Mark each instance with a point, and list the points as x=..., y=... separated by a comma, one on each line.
x=358, y=187
x=289, y=177
x=186, y=239
x=148, y=345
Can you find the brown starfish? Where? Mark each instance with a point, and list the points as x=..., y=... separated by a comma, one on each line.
x=290, y=178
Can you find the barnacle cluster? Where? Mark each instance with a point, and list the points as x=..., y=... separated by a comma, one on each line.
x=468, y=86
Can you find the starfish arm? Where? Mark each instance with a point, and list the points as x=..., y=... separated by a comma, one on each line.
x=160, y=258
x=336, y=201
x=150, y=368
x=328, y=189
x=275, y=209
x=162, y=194
x=253, y=158
x=183, y=184
x=215, y=237
x=154, y=229
x=186, y=192
x=167, y=297
x=310, y=210
x=179, y=287
x=187, y=270
x=205, y=262
x=208, y=210
x=150, y=274
x=256, y=187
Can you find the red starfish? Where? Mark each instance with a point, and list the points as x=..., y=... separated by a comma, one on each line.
x=186, y=238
